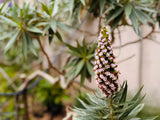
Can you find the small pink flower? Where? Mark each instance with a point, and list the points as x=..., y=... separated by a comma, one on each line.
x=96, y=57
x=105, y=62
x=95, y=67
x=101, y=53
x=111, y=52
x=107, y=54
x=107, y=82
x=105, y=50
x=100, y=65
x=102, y=59
x=96, y=76
x=102, y=47
x=103, y=39
x=108, y=66
x=110, y=58
x=98, y=62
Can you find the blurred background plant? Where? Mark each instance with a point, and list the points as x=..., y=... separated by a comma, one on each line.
x=27, y=30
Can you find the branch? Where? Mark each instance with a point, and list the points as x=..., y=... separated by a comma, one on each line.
x=158, y=6
x=49, y=62
x=99, y=24
x=88, y=33
x=5, y=75
x=130, y=57
x=136, y=41
x=44, y=52
x=34, y=75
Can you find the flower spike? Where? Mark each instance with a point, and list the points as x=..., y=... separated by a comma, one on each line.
x=105, y=68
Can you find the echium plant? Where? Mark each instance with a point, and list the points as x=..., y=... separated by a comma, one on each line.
x=110, y=103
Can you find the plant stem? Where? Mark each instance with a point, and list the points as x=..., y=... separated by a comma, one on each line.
x=112, y=111
x=44, y=52
x=49, y=62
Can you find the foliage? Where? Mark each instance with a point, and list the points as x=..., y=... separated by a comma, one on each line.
x=51, y=96
x=27, y=23
x=91, y=107
x=5, y=115
x=117, y=12
x=80, y=61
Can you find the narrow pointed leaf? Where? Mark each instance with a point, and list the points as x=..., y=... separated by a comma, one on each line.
x=35, y=30
x=53, y=25
x=102, y=4
x=58, y=35
x=83, y=2
x=134, y=23
x=128, y=9
x=114, y=14
x=137, y=94
x=83, y=75
x=11, y=41
x=8, y=21
x=79, y=67
x=90, y=69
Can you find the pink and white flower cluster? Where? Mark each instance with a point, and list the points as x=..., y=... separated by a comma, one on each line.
x=105, y=69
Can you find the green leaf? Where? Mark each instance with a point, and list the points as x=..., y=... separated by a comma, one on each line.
x=79, y=67
x=146, y=9
x=45, y=8
x=6, y=35
x=53, y=25
x=4, y=7
x=84, y=47
x=34, y=29
x=11, y=41
x=130, y=108
x=93, y=48
x=55, y=8
x=24, y=45
x=102, y=4
x=124, y=93
x=71, y=63
x=83, y=75
x=58, y=35
x=79, y=12
x=71, y=71
x=137, y=94
x=51, y=34
x=150, y=118
x=111, y=7
x=135, y=111
x=83, y=2
x=135, y=119
x=71, y=47
x=128, y=9
x=92, y=5
x=8, y=21
x=116, y=21
x=71, y=6
x=143, y=17
x=63, y=26
x=90, y=56
x=74, y=53
x=116, y=12
x=90, y=69
x=80, y=48
x=15, y=10
x=134, y=23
